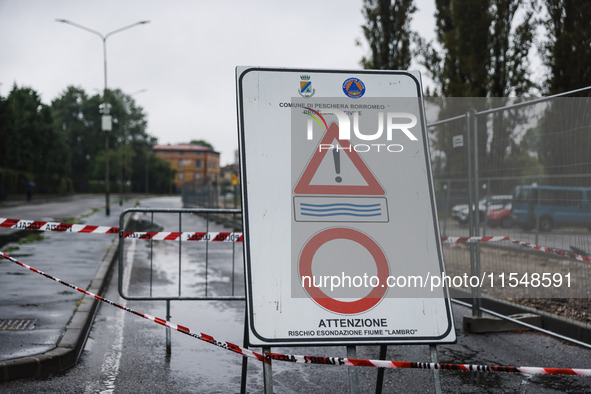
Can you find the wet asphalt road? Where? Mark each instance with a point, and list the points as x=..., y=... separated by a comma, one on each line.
x=75, y=257
x=126, y=353
x=57, y=209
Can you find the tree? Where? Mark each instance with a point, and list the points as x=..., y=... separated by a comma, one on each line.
x=484, y=51
x=459, y=68
x=509, y=73
x=79, y=119
x=62, y=147
x=388, y=34
x=511, y=41
x=484, y=48
x=29, y=144
x=565, y=131
x=130, y=139
x=75, y=117
x=201, y=143
x=567, y=49
x=462, y=30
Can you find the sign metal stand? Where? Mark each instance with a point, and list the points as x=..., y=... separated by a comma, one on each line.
x=352, y=371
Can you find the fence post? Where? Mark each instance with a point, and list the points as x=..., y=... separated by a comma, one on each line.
x=474, y=209
x=446, y=190
x=476, y=292
x=486, y=187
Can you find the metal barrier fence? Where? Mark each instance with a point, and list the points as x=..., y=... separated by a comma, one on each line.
x=485, y=151
x=197, y=194
x=180, y=270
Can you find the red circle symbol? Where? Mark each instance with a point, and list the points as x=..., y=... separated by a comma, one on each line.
x=344, y=307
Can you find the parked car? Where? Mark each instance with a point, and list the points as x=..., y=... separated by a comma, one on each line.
x=500, y=217
x=460, y=212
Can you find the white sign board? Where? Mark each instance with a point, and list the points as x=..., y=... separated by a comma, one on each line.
x=341, y=235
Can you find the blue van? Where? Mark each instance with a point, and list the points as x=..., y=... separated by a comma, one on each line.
x=551, y=206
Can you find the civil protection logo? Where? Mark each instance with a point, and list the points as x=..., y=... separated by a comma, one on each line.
x=306, y=89
x=354, y=88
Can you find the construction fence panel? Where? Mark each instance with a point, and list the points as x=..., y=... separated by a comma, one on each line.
x=520, y=170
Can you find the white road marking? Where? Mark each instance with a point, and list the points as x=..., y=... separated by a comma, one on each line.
x=112, y=361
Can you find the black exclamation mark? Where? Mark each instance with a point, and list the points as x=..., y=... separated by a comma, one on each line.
x=337, y=164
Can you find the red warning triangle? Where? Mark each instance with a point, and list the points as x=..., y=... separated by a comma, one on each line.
x=373, y=187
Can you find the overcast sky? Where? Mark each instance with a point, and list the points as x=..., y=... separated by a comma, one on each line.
x=181, y=65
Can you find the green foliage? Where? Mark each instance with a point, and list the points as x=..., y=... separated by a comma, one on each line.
x=73, y=116
x=484, y=48
x=388, y=34
x=62, y=147
x=482, y=51
x=32, y=237
x=29, y=143
x=462, y=29
x=202, y=143
x=567, y=48
x=565, y=135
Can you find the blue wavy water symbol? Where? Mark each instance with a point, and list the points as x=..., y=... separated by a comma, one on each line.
x=341, y=209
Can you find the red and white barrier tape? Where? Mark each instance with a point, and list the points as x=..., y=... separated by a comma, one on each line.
x=267, y=357
x=457, y=240
x=21, y=224
x=185, y=236
x=415, y=365
x=558, y=252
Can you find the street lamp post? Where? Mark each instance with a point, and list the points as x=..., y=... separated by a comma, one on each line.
x=106, y=123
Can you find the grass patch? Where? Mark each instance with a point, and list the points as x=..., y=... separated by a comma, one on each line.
x=33, y=237
x=94, y=210
x=20, y=238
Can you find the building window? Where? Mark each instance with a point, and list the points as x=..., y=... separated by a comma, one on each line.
x=181, y=176
x=197, y=163
x=197, y=176
x=181, y=163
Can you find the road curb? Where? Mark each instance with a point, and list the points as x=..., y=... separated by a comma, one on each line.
x=71, y=344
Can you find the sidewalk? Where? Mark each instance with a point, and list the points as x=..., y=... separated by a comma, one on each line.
x=44, y=325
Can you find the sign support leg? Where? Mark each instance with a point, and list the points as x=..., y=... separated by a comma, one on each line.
x=353, y=376
x=168, y=336
x=380, y=379
x=267, y=372
x=436, y=378
x=244, y=358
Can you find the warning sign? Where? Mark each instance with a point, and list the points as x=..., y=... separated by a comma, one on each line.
x=341, y=233
x=330, y=142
